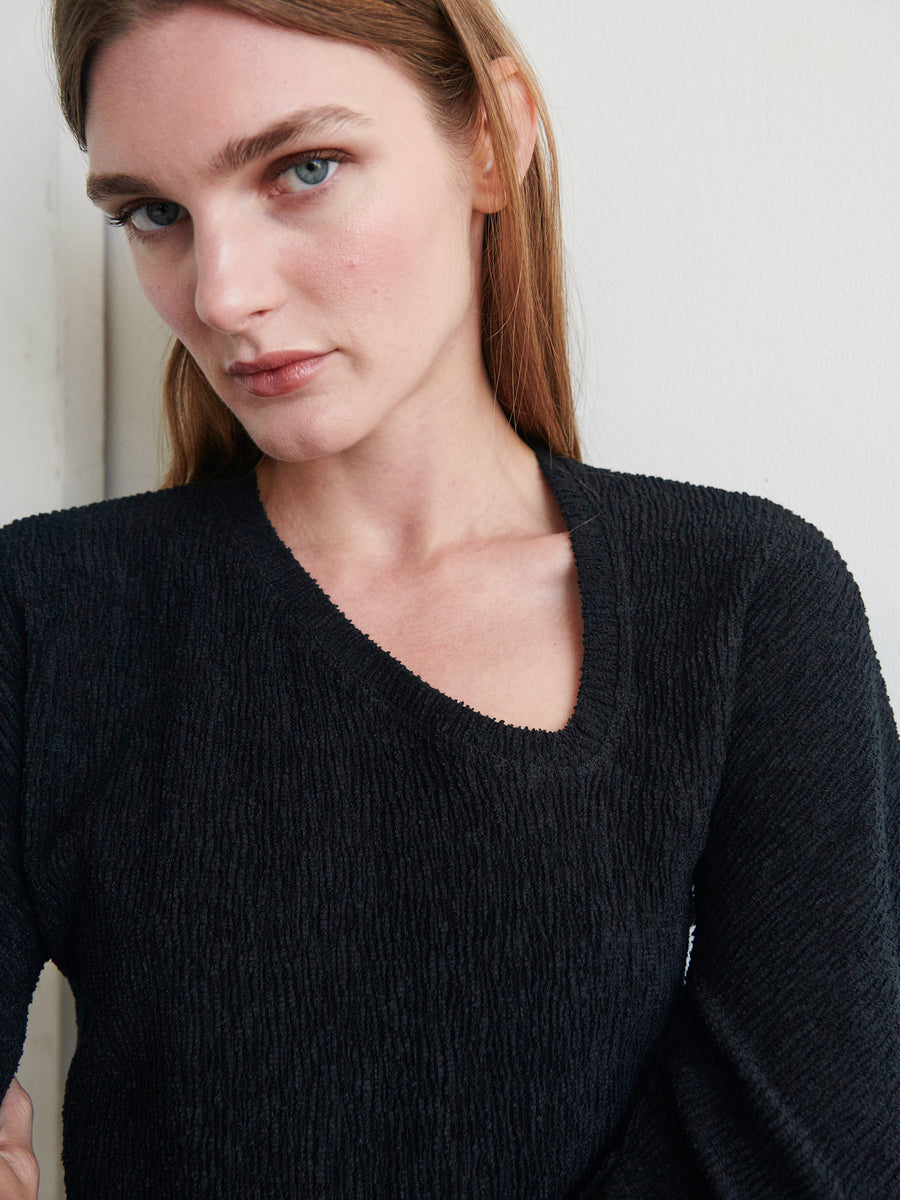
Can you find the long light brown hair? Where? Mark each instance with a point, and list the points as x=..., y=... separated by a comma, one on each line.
x=447, y=47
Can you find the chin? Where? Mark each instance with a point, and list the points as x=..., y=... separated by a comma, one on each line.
x=300, y=441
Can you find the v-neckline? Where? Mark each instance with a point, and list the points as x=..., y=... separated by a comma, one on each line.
x=430, y=711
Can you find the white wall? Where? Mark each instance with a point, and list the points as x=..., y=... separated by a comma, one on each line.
x=51, y=293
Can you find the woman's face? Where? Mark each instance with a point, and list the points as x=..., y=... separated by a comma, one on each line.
x=297, y=221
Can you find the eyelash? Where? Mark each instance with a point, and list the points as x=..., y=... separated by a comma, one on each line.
x=122, y=218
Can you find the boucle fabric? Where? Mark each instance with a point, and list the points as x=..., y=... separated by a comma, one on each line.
x=333, y=934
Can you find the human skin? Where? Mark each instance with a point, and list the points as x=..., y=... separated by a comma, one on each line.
x=18, y=1166
x=371, y=275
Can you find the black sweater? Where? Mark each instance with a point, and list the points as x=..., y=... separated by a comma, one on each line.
x=335, y=935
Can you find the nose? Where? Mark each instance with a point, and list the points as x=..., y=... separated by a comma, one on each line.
x=237, y=277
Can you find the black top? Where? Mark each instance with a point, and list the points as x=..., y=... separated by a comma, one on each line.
x=333, y=934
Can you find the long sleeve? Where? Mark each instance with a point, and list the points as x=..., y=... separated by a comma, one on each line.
x=375, y=943
x=779, y=1075
x=21, y=951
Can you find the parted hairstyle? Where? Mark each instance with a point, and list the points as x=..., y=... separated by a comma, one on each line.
x=447, y=48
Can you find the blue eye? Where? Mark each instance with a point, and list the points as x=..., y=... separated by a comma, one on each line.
x=307, y=173
x=157, y=215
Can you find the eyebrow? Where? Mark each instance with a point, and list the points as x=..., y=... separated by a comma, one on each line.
x=305, y=124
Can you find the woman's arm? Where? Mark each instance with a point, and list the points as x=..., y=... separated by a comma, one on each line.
x=779, y=1076
x=18, y=1166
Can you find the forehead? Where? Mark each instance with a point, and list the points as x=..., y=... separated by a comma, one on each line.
x=201, y=76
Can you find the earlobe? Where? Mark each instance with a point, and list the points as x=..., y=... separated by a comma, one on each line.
x=521, y=116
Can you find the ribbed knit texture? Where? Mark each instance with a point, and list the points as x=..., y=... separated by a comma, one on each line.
x=335, y=935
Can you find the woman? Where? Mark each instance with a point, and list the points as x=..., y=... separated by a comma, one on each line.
x=367, y=788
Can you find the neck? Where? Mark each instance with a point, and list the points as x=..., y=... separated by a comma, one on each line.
x=388, y=503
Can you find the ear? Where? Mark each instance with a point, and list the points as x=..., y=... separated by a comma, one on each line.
x=522, y=117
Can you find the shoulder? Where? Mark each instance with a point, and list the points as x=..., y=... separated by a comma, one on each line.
x=103, y=519
x=651, y=502
x=111, y=540
x=666, y=518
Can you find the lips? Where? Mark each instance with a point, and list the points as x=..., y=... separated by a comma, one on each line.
x=277, y=374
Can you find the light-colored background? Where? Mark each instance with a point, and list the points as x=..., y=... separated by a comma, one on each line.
x=732, y=174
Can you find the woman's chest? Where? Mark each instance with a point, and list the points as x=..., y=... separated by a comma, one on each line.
x=498, y=628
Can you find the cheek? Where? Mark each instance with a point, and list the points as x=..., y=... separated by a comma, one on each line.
x=171, y=297
x=400, y=261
